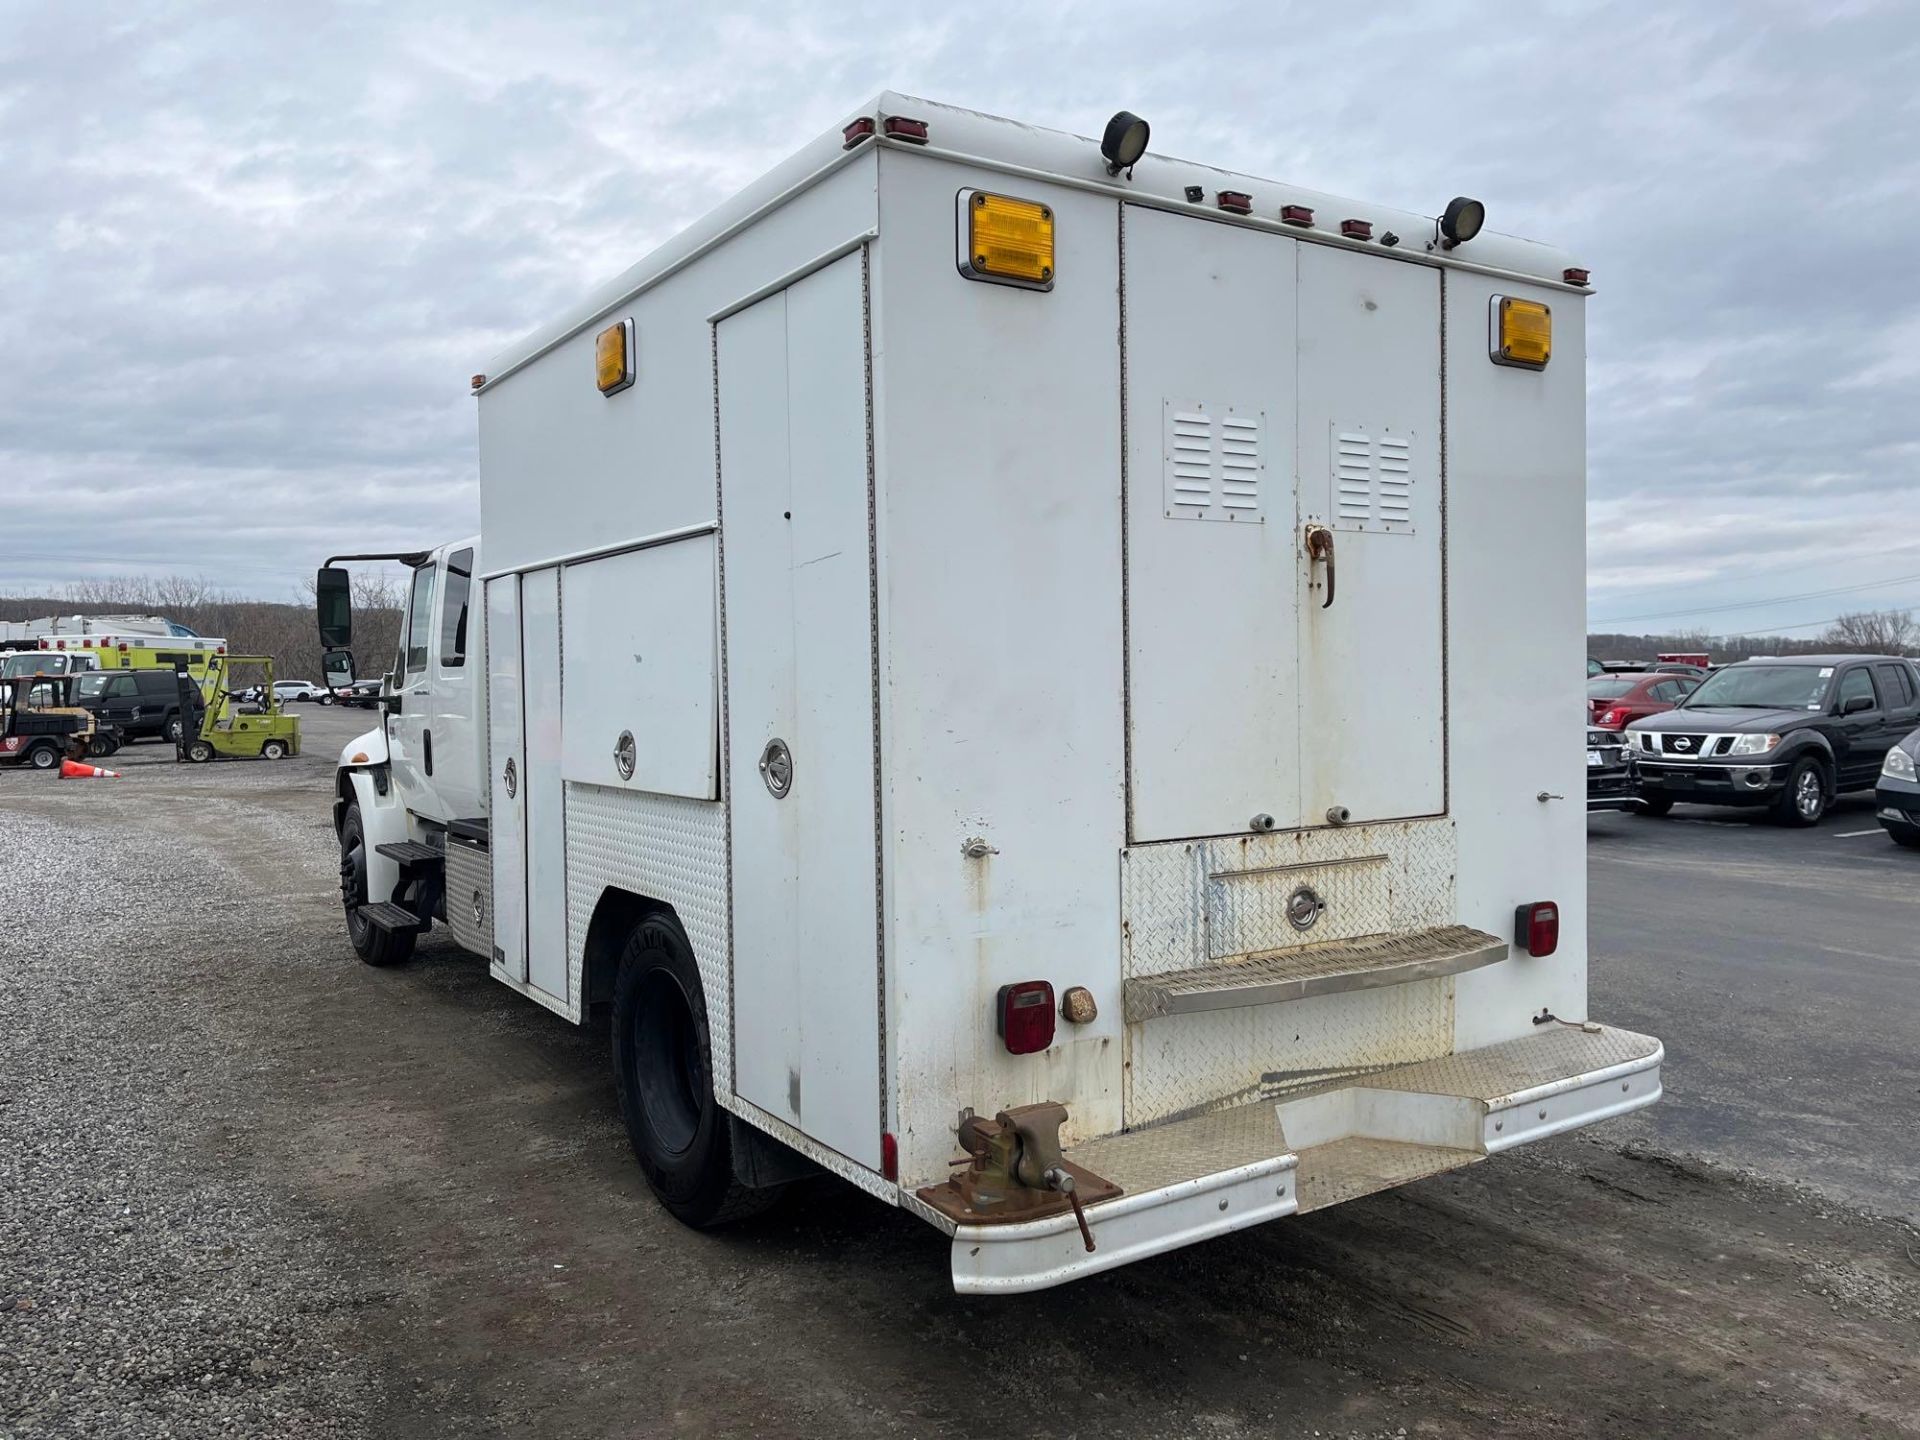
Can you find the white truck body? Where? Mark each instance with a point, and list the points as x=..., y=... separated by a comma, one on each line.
x=1012, y=582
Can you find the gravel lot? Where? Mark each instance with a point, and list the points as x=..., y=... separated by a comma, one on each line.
x=250, y=1187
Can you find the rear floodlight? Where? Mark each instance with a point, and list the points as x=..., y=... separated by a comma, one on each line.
x=1520, y=332
x=1461, y=221
x=1005, y=240
x=613, y=358
x=1124, y=142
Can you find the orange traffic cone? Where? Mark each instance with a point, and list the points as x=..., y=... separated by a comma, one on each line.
x=74, y=770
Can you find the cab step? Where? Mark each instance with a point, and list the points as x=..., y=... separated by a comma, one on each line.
x=393, y=919
x=410, y=854
x=1366, y=963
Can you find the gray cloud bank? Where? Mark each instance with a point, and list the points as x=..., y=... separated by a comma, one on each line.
x=252, y=252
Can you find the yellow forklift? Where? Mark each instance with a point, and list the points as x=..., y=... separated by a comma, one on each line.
x=223, y=725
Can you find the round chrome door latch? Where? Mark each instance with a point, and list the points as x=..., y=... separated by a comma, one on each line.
x=510, y=777
x=1305, y=907
x=776, y=768
x=623, y=754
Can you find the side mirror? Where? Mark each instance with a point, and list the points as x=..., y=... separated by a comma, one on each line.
x=1854, y=704
x=333, y=602
x=336, y=669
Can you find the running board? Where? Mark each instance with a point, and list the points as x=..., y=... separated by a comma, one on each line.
x=1367, y=963
x=394, y=919
x=409, y=853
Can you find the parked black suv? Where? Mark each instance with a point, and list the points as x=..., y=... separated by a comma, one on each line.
x=1789, y=733
x=142, y=704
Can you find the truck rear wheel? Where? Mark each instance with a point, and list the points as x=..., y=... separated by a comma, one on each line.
x=663, y=1068
x=370, y=942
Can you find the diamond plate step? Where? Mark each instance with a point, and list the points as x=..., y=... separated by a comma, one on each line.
x=394, y=919
x=409, y=852
x=1363, y=964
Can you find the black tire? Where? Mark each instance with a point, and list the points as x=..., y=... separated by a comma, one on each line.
x=1656, y=805
x=43, y=757
x=1806, y=795
x=103, y=745
x=663, y=1068
x=373, y=945
x=273, y=750
x=172, y=728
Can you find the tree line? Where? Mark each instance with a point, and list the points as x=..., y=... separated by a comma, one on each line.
x=285, y=632
x=1865, y=632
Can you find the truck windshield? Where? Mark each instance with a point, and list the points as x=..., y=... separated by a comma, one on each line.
x=1763, y=687
x=32, y=662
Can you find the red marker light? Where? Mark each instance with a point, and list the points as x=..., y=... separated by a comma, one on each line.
x=1238, y=201
x=1024, y=1016
x=1357, y=229
x=1296, y=214
x=1573, y=275
x=861, y=129
x=900, y=128
x=1536, y=927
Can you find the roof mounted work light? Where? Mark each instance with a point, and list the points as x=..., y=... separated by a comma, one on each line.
x=1124, y=141
x=1461, y=221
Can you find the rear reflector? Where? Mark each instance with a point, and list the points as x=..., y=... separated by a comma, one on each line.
x=1296, y=214
x=900, y=128
x=1024, y=1016
x=1536, y=927
x=1237, y=201
x=889, y=1157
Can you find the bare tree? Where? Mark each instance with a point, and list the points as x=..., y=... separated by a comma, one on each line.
x=1875, y=632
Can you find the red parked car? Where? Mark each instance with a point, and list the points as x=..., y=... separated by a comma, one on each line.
x=1613, y=700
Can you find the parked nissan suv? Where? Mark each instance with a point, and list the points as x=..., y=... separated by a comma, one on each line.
x=1787, y=733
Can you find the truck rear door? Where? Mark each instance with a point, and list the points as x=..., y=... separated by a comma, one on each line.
x=1270, y=386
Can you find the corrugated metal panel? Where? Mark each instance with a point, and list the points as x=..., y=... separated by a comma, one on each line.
x=1213, y=464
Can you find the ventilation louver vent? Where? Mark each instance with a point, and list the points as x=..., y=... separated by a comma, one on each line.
x=1213, y=467
x=1373, y=477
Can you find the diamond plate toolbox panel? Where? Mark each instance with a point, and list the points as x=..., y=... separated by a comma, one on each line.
x=1187, y=904
x=470, y=898
x=663, y=846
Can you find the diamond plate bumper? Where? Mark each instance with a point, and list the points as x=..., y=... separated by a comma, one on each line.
x=1190, y=1180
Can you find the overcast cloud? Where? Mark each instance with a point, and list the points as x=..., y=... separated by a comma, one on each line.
x=251, y=253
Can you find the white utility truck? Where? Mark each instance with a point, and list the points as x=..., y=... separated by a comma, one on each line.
x=1032, y=676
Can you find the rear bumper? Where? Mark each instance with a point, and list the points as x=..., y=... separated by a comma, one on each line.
x=1332, y=1143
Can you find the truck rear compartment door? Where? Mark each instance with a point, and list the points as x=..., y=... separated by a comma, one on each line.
x=1372, y=685
x=1212, y=590
x=1271, y=385
x=800, y=712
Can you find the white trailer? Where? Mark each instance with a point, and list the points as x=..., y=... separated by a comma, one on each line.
x=1033, y=677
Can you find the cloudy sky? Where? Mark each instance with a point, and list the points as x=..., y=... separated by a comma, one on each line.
x=251, y=252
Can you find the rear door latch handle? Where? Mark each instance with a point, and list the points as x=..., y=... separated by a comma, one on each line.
x=1319, y=543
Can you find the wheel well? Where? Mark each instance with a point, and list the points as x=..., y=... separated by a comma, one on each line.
x=614, y=917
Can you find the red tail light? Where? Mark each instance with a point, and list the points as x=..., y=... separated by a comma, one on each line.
x=1536, y=927
x=1024, y=1014
x=1613, y=719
